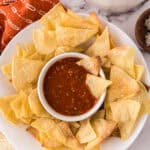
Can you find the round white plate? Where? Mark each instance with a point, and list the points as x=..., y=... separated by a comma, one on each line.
x=17, y=136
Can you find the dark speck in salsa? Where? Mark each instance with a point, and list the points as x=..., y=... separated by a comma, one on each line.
x=65, y=89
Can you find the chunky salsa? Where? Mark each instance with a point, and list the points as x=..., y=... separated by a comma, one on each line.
x=65, y=89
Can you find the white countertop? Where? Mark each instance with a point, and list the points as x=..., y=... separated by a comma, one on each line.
x=126, y=21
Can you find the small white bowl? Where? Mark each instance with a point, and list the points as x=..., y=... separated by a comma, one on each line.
x=52, y=111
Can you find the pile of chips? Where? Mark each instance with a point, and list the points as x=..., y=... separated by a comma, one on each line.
x=64, y=31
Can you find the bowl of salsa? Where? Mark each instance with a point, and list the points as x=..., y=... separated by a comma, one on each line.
x=63, y=91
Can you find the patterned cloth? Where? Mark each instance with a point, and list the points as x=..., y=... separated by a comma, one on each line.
x=16, y=14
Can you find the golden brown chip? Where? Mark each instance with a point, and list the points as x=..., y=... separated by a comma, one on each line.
x=96, y=147
x=103, y=129
x=99, y=114
x=125, y=112
x=44, y=124
x=74, y=126
x=73, y=37
x=94, y=19
x=46, y=141
x=144, y=98
x=101, y=46
x=6, y=109
x=91, y=21
x=128, y=110
x=60, y=131
x=73, y=14
x=21, y=108
x=22, y=72
x=122, y=85
x=70, y=140
x=76, y=23
x=50, y=19
x=48, y=57
x=106, y=63
x=36, y=106
x=44, y=41
x=49, y=141
x=24, y=51
x=58, y=148
x=19, y=50
x=138, y=72
x=91, y=64
x=85, y=133
x=34, y=132
x=29, y=49
x=37, y=56
x=108, y=110
x=63, y=49
x=123, y=57
x=112, y=43
x=97, y=85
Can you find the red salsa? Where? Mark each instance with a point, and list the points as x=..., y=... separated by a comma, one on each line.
x=65, y=89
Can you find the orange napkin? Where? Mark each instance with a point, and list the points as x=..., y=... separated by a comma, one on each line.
x=16, y=14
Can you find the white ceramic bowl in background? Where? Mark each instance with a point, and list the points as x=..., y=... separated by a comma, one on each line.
x=49, y=108
x=18, y=136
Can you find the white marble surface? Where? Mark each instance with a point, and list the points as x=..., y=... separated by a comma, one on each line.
x=126, y=21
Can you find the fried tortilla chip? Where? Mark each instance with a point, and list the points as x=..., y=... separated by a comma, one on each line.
x=123, y=57
x=46, y=141
x=85, y=133
x=112, y=43
x=74, y=126
x=37, y=56
x=21, y=108
x=44, y=41
x=49, y=141
x=70, y=140
x=63, y=49
x=19, y=50
x=29, y=51
x=94, y=19
x=139, y=70
x=73, y=37
x=91, y=64
x=97, y=85
x=108, y=109
x=50, y=19
x=60, y=131
x=103, y=129
x=106, y=63
x=76, y=23
x=6, y=109
x=122, y=85
x=36, y=106
x=144, y=98
x=125, y=112
x=73, y=14
x=101, y=46
x=89, y=22
x=34, y=132
x=99, y=114
x=7, y=70
x=44, y=124
x=96, y=147
x=24, y=51
x=58, y=148
x=22, y=72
